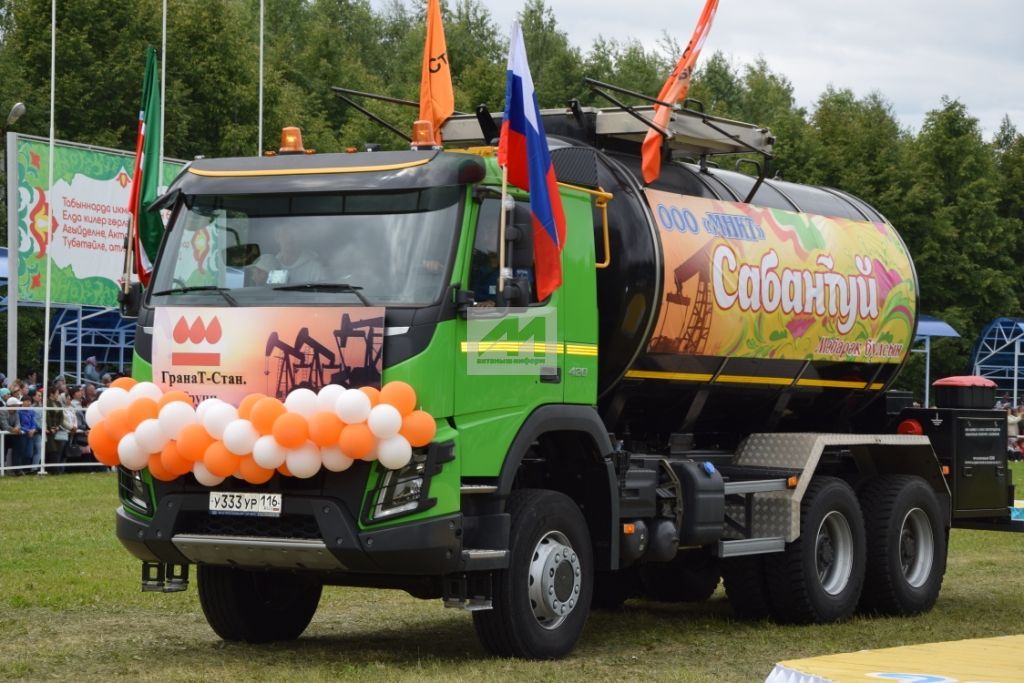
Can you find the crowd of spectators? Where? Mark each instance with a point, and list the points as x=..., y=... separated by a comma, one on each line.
x=28, y=410
x=1014, y=427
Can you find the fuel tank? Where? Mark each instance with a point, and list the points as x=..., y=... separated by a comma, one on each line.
x=723, y=313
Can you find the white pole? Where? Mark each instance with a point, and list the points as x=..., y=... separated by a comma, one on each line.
x=163, y=93
x=12, y=254
x=927, y=368
x=502, y=221
x=49, y=231
x=1016, y=359
x=259, y=134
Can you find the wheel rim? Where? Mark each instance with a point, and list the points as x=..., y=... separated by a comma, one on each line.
x=833, y=552
x=554, y=580
x=917, y=547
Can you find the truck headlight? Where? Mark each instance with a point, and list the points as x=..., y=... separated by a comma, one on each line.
x=133, y=491
x=406, y=490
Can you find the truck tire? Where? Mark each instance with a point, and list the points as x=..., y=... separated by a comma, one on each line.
x=257, y=607
x=906, y=546
x=819, y=576
x=691, y=576
x=542, y=600
x=746, y=586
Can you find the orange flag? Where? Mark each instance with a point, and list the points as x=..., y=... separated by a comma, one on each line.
x=437, y=101
x=673, y=91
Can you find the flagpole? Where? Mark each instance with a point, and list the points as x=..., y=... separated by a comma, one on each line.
x=49, y=233
x=259, y=135
x=501, y=233
x=163, y=93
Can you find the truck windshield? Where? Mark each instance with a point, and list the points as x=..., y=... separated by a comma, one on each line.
x=377, y=248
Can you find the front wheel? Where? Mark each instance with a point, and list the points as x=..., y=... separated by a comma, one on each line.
x=542, y=600
x=257, y=607
x=906, y=546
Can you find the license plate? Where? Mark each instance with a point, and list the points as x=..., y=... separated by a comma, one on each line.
x=245, y=504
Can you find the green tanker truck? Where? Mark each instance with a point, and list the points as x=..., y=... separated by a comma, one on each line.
x=704, y=398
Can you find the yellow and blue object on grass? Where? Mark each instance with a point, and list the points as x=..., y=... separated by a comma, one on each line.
x=1017, y=511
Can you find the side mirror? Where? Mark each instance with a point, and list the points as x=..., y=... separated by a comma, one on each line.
x=516, y=293
x=129, y=302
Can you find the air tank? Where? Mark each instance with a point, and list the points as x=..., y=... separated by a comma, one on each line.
x=720, y=317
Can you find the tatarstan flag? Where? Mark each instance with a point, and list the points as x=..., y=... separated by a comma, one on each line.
x=147, y=228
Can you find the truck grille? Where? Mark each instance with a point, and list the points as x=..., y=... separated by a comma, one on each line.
x=285, y=526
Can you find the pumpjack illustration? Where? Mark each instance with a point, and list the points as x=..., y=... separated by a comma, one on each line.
x=308, y=363
x=692, y=334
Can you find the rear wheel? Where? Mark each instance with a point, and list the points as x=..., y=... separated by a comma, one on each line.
x=819, y=576
x=257, y=607
x=691, y=576
x=906, y=546
x=542, y=600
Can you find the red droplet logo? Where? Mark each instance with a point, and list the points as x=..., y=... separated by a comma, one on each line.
x=213, y=332
x=197, y=331
x=180, y=333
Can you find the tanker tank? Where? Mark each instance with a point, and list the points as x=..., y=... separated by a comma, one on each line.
x=720, y=318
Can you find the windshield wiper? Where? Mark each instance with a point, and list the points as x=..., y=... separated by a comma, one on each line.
x=336, y=287
x=223, y=291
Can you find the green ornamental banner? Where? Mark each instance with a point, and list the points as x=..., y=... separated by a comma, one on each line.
x=89, y=199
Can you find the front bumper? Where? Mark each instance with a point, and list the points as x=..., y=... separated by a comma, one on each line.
x=312, y=533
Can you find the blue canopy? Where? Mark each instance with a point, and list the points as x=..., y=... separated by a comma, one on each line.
x=930, y=326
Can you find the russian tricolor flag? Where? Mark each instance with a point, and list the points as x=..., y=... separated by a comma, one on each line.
x=523, y=151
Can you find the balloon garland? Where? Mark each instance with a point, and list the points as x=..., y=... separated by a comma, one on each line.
x=138, y=425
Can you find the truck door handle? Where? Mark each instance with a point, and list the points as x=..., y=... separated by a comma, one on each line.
x=968, y=471
x=549, y=375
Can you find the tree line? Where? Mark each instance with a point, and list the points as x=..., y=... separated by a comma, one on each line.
x=956, y=198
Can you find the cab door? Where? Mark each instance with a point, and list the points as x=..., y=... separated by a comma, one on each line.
x=510, y=360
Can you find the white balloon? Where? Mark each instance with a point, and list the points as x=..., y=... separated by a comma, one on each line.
x=240, y=436
x=205, y=476
x=267, y=453
x=384, y=421
x=206, y=405
x=174, y=416
x=304, y=461
x=394, y=453
x=93, y=414
x=302, y=401
x=145, y=390
x=131, y=453
x=150, y=436
x=334, y=459
x=327, y=398
x=113, y=398
x=218, y=417
x=353, y=406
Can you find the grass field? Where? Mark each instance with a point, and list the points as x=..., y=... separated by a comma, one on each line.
x=71, y=609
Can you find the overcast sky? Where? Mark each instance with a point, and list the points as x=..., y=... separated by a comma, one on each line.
x=911, y=51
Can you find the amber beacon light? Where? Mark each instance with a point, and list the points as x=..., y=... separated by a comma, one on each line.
x=291, y=141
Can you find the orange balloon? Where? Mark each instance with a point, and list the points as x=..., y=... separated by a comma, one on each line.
x=220, y=461
x=173, y=461
x=104, y=447
x=117, y=424
x=125, y=383
x=400, y=395
x=157, y=469
x=172, y=396
x=325, y=428
x=372, y=394
x=141, y=409
x=253, y=473
x=193, y=440
x=291, y=430
x=418, y=428
x=283, y=469
x=264, y=412
x=356, y=441
x=245, y=407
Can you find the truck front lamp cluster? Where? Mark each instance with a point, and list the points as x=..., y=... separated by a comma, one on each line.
x=401, y=490
x=133, y=491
